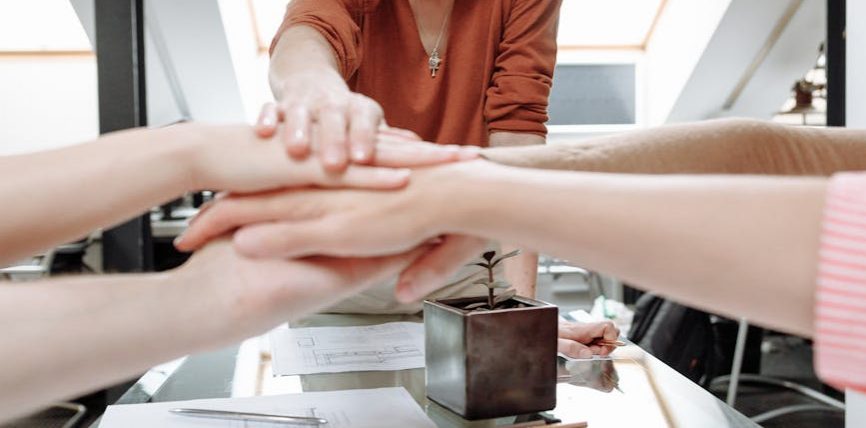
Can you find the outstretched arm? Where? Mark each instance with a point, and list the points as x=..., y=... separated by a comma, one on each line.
x=522, y=272
x=315, y=51
x=744, y=246
x=106, y=181
x=64, y=337
x=726, y=146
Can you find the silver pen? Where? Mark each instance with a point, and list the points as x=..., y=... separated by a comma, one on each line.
x=254, y=417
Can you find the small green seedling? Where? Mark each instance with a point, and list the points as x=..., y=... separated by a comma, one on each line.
x=489, y=263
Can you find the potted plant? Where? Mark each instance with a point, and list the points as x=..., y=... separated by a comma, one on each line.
x=493, y=355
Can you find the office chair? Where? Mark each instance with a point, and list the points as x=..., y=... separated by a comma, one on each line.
x=826, y=403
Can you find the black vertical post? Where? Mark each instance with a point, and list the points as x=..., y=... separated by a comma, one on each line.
x=122, y=104
x=836, y=62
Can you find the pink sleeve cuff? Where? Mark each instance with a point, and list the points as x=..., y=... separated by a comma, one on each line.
x=840, y=302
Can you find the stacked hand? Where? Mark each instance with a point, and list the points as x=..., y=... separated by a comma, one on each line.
x=366, y=223
x=237, y=160
x=262, y=293
x=233, y=158
x=320, y=116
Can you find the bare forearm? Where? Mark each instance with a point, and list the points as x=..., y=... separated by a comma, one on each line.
x=91, y=185
x=522, y=271
x=301, y=49
x=736, y=146
x=67, y=337
x=742, y=246
x=514, y=139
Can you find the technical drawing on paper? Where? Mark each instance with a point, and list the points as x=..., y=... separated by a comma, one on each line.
x=391, y=346
x=331, y=357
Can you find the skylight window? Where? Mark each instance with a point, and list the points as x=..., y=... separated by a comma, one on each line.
x=607, y=23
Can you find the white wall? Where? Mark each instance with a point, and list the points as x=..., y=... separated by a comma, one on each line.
x=250, y=65
x=855, y=415
x=702, y=49
x=46, y=102
x=197, y=49
x=791, y=56
x=682, y=34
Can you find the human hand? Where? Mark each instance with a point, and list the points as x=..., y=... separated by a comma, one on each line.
x=300, y=223
x=272, y=114
x=318, y=110
x=256, y=294
x=576, y=339
x=232, y=158
x=287, y=214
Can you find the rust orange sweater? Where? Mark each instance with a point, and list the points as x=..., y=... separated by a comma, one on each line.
x=496, y=73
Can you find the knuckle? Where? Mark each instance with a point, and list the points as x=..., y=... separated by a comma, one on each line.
x=334, y=104
x=573, y=348
x=366, y=105
x=362, y=127
x=337, y=138
x=295, y=109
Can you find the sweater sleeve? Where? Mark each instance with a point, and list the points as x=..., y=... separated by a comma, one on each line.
x=840, y=314
x=523, y=72
x=337, y=21
x=720, y=146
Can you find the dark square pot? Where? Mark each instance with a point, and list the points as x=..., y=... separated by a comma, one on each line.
x=490, y=364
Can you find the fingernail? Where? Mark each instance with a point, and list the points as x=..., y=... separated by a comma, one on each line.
x=268, y=121
x=179, y=240
x=359, y=155
x=298, y=136
x=332, y=158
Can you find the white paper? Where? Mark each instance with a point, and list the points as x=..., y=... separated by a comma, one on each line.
x=390, y=346
x=360, y=408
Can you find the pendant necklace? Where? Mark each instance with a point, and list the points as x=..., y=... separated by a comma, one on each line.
x=434, y=62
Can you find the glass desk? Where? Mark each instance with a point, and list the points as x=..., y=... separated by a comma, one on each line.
x=631, y=389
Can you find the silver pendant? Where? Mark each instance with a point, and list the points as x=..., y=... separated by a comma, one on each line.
x=434, y=62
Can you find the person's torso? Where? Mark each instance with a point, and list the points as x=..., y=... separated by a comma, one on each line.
x=394, y=69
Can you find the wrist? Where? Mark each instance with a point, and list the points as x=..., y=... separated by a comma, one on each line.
x=303, y=79
x=205, y=151
x=302, y=50
x=210, y=301
x=169, y=148
x=457, y=194
x=181, y=146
